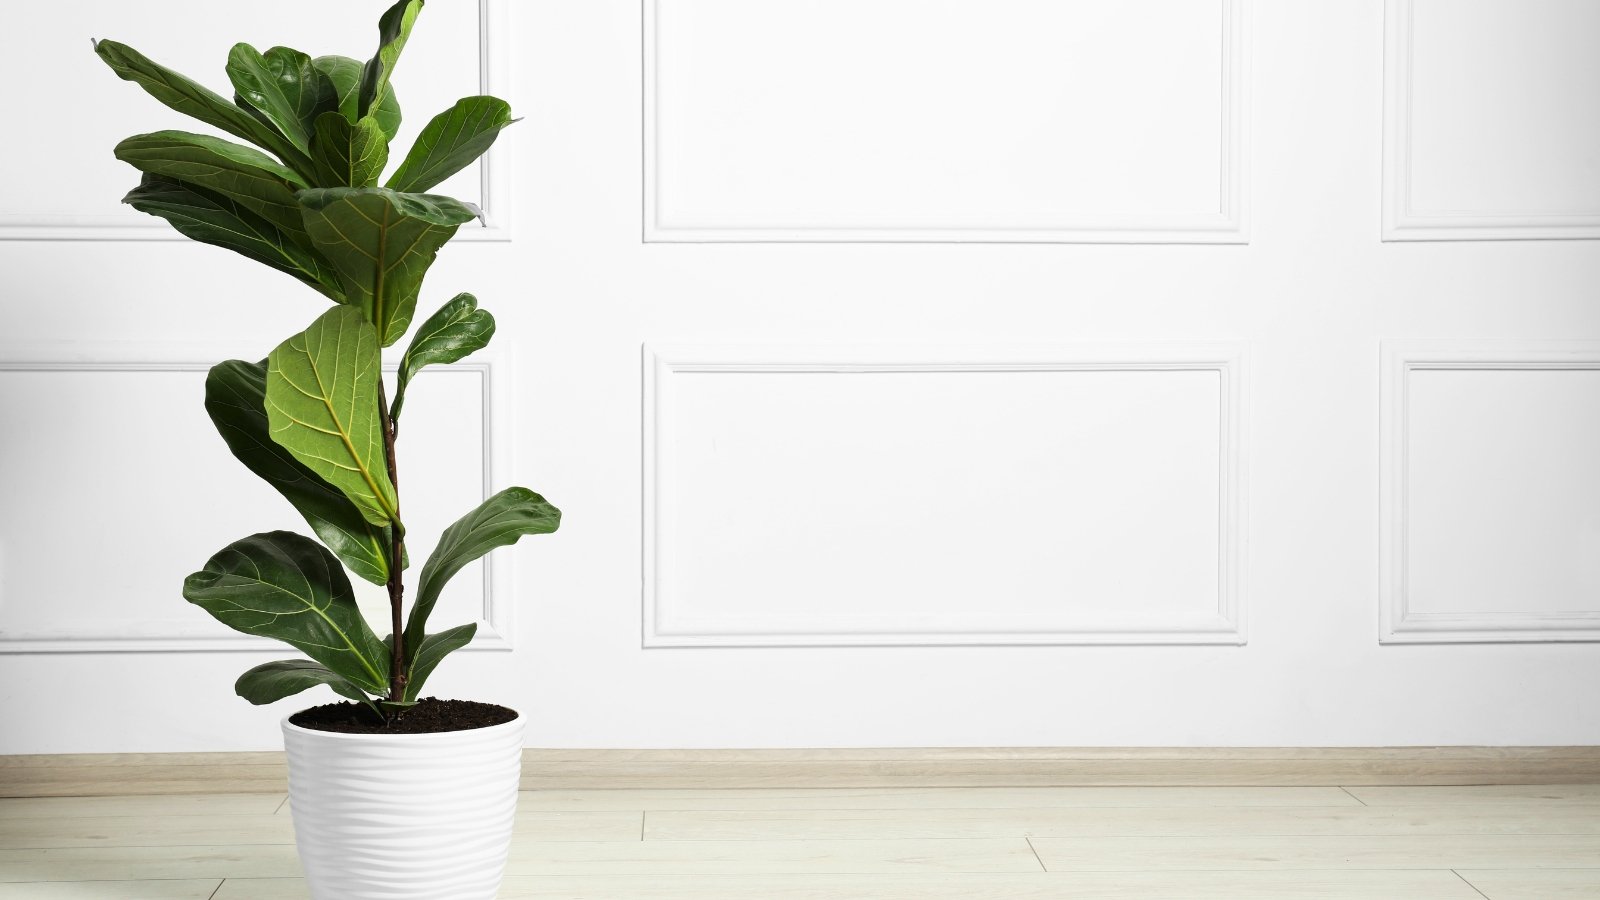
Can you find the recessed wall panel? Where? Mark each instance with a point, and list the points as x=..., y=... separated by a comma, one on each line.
x=68, y=184
x=1492, y=498
x=117, y=486
x=1491, y=132
x=809, y=500
x=976, y=120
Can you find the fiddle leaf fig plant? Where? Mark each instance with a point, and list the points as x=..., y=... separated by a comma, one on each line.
x=313, y=419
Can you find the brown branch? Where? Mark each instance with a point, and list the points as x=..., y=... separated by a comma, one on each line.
x=397, y=533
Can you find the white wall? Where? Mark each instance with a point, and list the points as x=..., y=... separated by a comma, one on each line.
x=1019, y=372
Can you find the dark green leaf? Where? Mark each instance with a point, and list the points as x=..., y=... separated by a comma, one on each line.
x=347, y=155
x=198, y=102
x=497, y=522
x=451, y=141
x=236, y=400
x=273, y=681
x=382, y=242
x=343, y=74
x=434, y=648
x=394, y=27
x=248, y=177
x=285, y=586
x=457, y=329
x=322, y=407
x=282, y=85
x=214, y=219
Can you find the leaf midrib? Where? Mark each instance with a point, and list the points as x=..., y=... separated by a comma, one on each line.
x=312, y=607
x=344, y=436
x=382, y=272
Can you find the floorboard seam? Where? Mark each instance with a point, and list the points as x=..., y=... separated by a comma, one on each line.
x=1469, y=884
x=1036, y=857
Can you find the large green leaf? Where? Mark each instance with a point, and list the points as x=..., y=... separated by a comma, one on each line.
x=236, y=394
x=288, y=587
x=451, y=141
x=214, y=219
x=456, y=330
x=433, y=649
x=382, y=242
x=394, y=28
x=283, y=86
x=196, y=101
x=497, y=522
x=348, y=155
x=344, y=75
x=322, y=406
x=273, y=681
x=248, y=177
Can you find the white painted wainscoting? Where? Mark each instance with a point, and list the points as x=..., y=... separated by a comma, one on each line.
x=1491, y=492
x=80, y=205
x=116, y=589
x=973, y=120
x=1490, y=132
x=905, y=496
x=970, y=374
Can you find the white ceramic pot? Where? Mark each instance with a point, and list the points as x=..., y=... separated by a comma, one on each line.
x=404, y=816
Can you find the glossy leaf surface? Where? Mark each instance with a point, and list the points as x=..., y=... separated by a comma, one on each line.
x=433, y=649
x=456, y=330
x=348, y=155
x=344, y=75
x=394, y=29
x=451, y=141
x=288, y=587
x=248, y=177
x=236, y=401
x=196, y=101
x=273, y=681
x=322, y=407
x=217, y=220
x=382, y=243
x=282, y=85
x=499, y=521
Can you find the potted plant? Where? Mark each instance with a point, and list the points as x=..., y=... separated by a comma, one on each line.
x=393, y=796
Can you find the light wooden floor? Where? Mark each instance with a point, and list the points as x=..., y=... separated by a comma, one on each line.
x=1107, y=843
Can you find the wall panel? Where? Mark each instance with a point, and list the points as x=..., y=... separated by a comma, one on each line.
x=100, y=523
x=907, y=496
x=1491, y=503
x=1490, y=129
x=459, y=52
x=978, y=120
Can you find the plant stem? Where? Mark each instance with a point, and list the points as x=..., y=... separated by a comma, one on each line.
x=397, y=532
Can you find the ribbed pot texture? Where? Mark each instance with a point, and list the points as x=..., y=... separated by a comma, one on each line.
x=405, y=816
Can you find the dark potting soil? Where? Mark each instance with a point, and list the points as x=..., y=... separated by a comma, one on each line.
x=429, y=716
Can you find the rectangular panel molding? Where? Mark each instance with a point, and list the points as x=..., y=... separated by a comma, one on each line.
x=892, y=495
x=1489, y=503
x=999, y=121
x=492, y=65
x=1516, y=162
x=75, y=627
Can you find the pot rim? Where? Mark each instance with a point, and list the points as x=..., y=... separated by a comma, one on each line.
x=289, y=727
